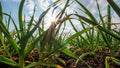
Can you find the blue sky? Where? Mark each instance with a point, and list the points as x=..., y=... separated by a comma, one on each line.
x=41, y=5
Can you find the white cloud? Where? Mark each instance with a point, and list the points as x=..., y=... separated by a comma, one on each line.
x=16, y=0
x=90, y=4
x=115, y=18
x=29, y=5
x=43, y=4
x=12, y=0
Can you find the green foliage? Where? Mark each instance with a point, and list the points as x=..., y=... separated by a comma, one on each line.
x=108, y=59
x=114, y=6
x=3, y=59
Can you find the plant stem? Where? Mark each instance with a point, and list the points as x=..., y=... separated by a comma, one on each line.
x=21, y=59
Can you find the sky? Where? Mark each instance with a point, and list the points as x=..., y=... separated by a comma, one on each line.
x=41, y=5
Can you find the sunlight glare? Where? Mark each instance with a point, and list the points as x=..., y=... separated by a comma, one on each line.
x=52, y=17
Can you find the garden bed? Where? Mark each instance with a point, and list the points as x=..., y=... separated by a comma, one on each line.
x=97, y=61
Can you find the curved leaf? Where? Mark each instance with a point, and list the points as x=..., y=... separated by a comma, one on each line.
x=5, y=60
